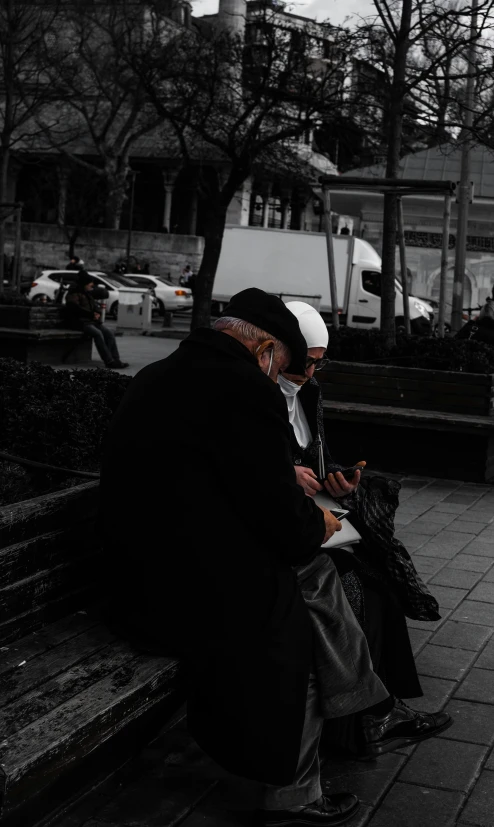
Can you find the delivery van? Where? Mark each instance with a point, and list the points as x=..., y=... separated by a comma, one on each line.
x=294, y=265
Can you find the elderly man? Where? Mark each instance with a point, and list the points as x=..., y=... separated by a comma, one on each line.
x=202, y=565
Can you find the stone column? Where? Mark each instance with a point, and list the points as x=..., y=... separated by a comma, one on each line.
x=265, y=205
x=285, y=200
x=193, y=207
x=169, y=177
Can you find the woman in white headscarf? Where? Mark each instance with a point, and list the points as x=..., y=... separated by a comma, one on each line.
x=376, y=598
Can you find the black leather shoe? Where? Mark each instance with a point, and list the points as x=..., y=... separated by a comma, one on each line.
x=327, y=811
x=400, y=727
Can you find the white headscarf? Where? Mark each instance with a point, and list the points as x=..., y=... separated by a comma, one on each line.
x=315, y=332
x=311, y=323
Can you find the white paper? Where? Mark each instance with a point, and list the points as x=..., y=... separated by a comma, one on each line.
x=348, y=535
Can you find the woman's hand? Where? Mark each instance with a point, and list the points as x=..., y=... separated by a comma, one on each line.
x=308, y=480
x=337, y=485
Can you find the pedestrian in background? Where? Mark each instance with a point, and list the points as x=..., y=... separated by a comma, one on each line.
x=75, y=263
x=84, y=313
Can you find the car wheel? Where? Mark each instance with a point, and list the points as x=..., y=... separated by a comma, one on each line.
x=114, y=310
x=41, y=298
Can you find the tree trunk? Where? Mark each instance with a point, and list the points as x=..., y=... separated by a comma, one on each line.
x=114, y=205
x=213, y=239
x=4, y=171
x=390, y=214
x=116, y=173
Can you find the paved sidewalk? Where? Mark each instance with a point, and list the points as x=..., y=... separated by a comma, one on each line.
x=138, y=351
x=449, y=528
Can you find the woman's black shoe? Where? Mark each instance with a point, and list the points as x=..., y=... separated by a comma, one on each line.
x=401, y=726
x=327, y=811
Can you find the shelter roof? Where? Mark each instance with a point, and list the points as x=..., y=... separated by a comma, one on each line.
x=441, y=163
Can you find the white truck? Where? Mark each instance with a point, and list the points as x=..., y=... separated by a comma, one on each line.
x=294, y=265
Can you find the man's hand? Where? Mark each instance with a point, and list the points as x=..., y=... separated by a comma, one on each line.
x=308, y=480
x=337, y=485
x=97, y=316
x=331, y=523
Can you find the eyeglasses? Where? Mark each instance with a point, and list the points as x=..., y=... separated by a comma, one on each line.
x=318, y=364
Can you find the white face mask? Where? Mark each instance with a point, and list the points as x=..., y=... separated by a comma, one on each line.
x=288, y=387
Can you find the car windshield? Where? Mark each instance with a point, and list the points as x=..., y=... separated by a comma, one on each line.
x=120, y=281
x=165, y=281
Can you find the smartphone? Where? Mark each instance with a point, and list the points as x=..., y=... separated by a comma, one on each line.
x=349, y=473
x=339, y=513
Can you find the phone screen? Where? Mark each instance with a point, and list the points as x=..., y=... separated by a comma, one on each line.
x=339, y=513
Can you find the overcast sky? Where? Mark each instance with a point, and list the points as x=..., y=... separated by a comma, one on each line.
x=335, y=11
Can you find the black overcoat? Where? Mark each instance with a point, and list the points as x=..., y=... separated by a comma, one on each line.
x=202, y=520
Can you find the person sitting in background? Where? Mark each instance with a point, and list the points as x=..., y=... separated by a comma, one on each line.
x=84, y=313
x=376, y=572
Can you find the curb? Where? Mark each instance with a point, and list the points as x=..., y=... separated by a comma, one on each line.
x=169, y=333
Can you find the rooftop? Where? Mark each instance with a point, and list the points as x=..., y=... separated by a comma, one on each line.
x=442, y=163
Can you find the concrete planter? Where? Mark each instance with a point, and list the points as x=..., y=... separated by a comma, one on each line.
x=35, y=333
x=29, y=317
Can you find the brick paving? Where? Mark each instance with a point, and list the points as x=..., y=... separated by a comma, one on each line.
x=449, y=529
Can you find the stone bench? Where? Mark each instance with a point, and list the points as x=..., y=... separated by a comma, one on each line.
x=75, y=702
x=52, y=346
x=32, y=332
x=435, y=443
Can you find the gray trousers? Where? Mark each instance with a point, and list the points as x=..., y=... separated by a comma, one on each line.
x=343, y=679
x=104, y=340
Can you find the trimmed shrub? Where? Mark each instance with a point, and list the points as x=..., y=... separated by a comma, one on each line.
x=368, y=346
x=54, y=416
x=17, y=299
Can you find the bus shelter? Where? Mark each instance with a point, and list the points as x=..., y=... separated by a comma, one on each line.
x=400, y=187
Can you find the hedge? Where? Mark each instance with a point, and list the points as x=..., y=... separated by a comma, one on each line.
x=61, y=417
x=12, y=298
x=351, y=345
x=53, y=416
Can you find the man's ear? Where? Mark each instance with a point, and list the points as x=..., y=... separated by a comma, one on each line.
x=262, y=347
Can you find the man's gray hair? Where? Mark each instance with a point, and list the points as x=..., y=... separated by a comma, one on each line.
x=251, y=333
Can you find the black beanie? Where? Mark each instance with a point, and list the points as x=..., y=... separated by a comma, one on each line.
x=272, y=315
x=84, y=278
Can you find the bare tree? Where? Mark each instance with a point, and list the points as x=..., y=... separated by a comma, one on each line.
x=421, y=63
x=24, y=30
x=102, y=102
x=232, y=102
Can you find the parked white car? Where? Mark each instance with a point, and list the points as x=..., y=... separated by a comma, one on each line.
x=170, y=296
x=48, y=282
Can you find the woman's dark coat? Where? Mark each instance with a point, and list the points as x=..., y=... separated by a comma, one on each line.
x=372, y=510
x=202, y=522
